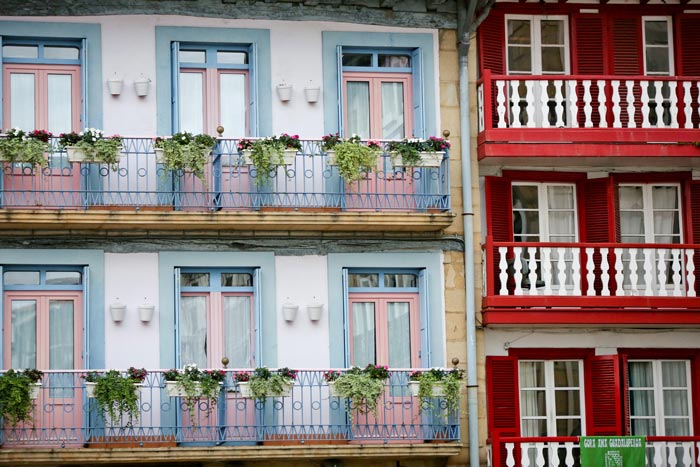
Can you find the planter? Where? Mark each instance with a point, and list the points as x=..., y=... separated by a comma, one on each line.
x=117, y=311
x=90, y=388
x=288, y=157
x=76, y=154
x=284, y=92
x=34, y=389
x=174, y=389
x=289, y=311
x=427, y=159
x=413, y=387
x=315, y=311
x=332, y=390
x=146, y=312
x=141, y=86
x=312, y=94
x=160, y=154
x=245, y=391
x=114, y=85
x=330, y=157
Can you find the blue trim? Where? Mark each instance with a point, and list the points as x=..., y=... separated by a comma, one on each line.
x=423, y=72
x=258, y=41
x=215, y=280
x=94, y=259
x=430, y=263
x=263, y=265
x=91, y=34
x=40, y=44
x=210, y=51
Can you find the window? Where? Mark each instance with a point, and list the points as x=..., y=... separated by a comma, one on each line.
x=658, y=46
x=660, y=398
x=537, y=45
x=216, y=318
x=650, y=213
x=551, y=398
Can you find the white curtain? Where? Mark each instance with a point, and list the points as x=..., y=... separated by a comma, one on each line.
x=61, y=342
x=358, y=109
x=232, y=104
x=392, y=111
x=22, y=103
x=193, y=331
x=675, y=396
x=237, y=331
x=532, y=399
x=363, y=334
x=560, y=200
x=398, y=317
x=60, y=101
x=191, y=102
x=24, y=333
x=666, y=215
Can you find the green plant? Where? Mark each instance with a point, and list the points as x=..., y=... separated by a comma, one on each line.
x=353, y=158
x=267, y=153
x=410, y=149
x=197, y=384
x=15, y=395
x=449, y=380
x=329, y=141
x=117, y=394
x=265, y=383
x=19, y=146
x=362, y=386
x=185, y=151
x=94, y=145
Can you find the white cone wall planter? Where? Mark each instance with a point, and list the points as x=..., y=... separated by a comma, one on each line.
x=315, y=311
x=114, y=85
x=141, y=86
x=117, y=310
x=146, y=312
x=289, y=311
x=284, y=92
x=312, y=94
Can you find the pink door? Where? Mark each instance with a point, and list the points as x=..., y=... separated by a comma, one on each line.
x=385, y=330
x=44, y=330
x=44, y=97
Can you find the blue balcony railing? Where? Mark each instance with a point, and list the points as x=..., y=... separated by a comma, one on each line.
x=64, y=416
x=140, y=182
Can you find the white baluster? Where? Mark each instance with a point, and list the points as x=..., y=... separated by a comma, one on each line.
x=576, y=271
x=480, y=103
x=634, y=278
x=515, y=103
x=573, y=103
x=687, y=454
x=587, y=108
x=659, y=450
x=539, y=460
x=648, y=271
x=569, y=454
x=590, y=272
x=604, y=268
x=530, y=99
x=672, y=459
x=503, y=268
x=602, y=107
x=676, y=267
x=698, y=443
x=630, y=104
x=489, y=460
x=554, y=454
x=543, y=107
x=510, y=459
x=561, y=271
x=532, y=264
x=518, y=269
x=525, y=455
x=617, y=123
x=673, y=102
x=661, y=271
x=645, y=103
x=687, y=109
x=659, y=109
x=559, y=102
x=501, y=100
x=690, y=272
x=619, y=290
x=547, y=269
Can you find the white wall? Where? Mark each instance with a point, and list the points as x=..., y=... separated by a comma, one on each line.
x=131, y=279
x=302, y=280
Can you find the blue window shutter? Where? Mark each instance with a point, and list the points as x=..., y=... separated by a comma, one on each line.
x=86, y=316
x=424, y=300
x=346, y=318
x=176, y=302
x=175, y=84
x=84, y=85
x=418, y=97
x=253, y=86
x=257, y=300
x=339, y=56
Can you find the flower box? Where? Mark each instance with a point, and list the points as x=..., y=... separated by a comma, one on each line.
x=160, y=155
x=34, y=389
x=288, y=157
x=332, y=390
x=76, y=154
x=90, y=388
x=413, y=387
x=330, y=157
x=175, y=389
x=245, y=391
x=427, y=159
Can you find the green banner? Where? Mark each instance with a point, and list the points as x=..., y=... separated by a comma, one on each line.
x=612, y=451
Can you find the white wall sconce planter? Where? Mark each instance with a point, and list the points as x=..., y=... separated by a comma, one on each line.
x=114, y=85
x=312, y=94
x=141, y=85
x=315, y=311
x=117, y=310
x=289, y=311
x=284, y=92
x=146, y=312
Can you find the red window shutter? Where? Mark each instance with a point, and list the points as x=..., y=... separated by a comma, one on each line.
x=688, y=45
x=624, y=374
x=588, y=37
x=626, y=41
x=491, y=39
x=692, y=219
x=499, y=217
x=695, y=381
x=597, y=199
x=603, y=398
x=503, y=402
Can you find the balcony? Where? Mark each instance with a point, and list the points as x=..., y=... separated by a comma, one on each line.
x=666, y=451
x=588, y=117
x=69, y=424
x=140, y=193
x=590, y=283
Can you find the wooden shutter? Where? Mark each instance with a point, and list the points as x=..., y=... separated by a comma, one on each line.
x=492, y=44
x=688, y=45
x=692, y=220
x=499, y=218
x=695, y=381
x=503, y=406
x=624, y=376
x=597, y=199
x=588, y=37
x=626, y=33
x=603, y=398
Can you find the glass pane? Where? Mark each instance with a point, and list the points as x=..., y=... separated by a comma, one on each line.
x=238, y=331
x=394, y=61
x=519, y=59
x=393, y=111
x=231, y=58
x=566, y=374
x=534, y=428
x=642, y=403
x=526, y=223
x=363, y=280
x=61, y=53
x=363, y=334
x=675, y=402
x=666, y=223
x=191, y=101
x=21, y=278
x=398, y=317
x=194, y=279
x=632, y=223
x=357, y=59
x=232, y=103
x=400, y=280
x=552, y=32
x=193, y=56
x=63, y=278
x=229, y=279
x=23, y=348
x=519, y=31
x=571, y=427
x=525, y=197
x=193, y=331
x=61, y=334
x=643, y=427
x=567, y=402
x=561, y=223
x=677, y=427
x=630, y=197
x=641, y=375
x=674, y=374
x=358, y=109
x=656, y=32
x=657, y=60
x=20, y=51
x=531, y=374
x=533, y=403
x=664, y=197
x=60, y=100
x=560, y=197
x=553, y=60
x=22, y=103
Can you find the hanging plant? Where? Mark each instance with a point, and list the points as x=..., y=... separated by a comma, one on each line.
x=267, y=153
x=363, y=387
x=194, y=384
x=19, y=146
x=437, y=382
x=264, y=383
x=16, y=395
x=117, y=395
x=90, y=145
x=185, y=151
x=353, y=158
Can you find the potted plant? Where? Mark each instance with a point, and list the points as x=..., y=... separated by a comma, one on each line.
x=185, y=151
x=19, y=146
x=418, y=152
x=17, y=390
x=91, y=145
x=194, y=384
x=116, y=394
x=263, y=383
x=362, y=386
x=353, y=158
x=267, y=153
x=437, y=382
x=328, y=144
